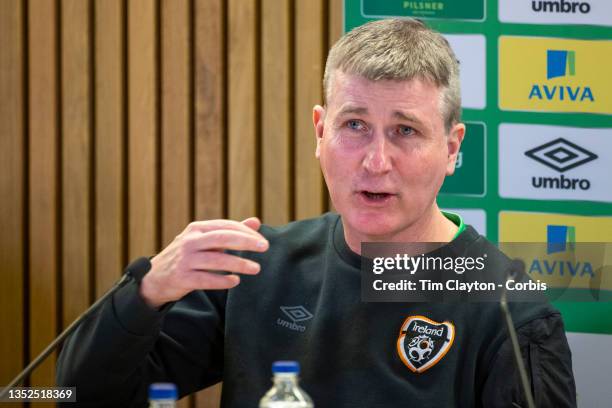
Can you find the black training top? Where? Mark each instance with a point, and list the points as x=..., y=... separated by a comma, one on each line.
x=306, y=305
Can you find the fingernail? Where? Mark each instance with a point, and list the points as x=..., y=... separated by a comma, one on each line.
x=262, y=244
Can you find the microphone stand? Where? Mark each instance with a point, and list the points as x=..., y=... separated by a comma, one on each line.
x=136, y=270
x=516, y=349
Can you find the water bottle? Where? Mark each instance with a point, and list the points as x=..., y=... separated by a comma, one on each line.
x=162, y=395
x=285, y=393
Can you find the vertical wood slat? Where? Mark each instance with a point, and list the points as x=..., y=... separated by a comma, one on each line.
x=242, y=102
x=210, y=127
x=12, y=184
x=276, y=111
x=176, y=118
x=43, y=183
x=209, y=398
x=142, y=128
x=76, y=158
x=109, y=106
x=209, y=99
x=309, y=38
x=335, y=21
x=176, y=124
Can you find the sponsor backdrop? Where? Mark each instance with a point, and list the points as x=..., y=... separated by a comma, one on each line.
x=536, y=164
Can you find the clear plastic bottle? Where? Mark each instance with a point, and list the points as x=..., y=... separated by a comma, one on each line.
x=162, y=395
x=286, y=392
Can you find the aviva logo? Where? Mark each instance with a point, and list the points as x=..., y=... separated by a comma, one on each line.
x=558, y=237
x=565, y=251
x=556, y=75
x=560, y=63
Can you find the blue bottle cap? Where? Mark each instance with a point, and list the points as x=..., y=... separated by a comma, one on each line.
x=286, y=367
x=163, y=391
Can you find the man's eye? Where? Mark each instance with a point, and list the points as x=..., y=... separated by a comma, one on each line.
x=354, y=125
x=405, y=130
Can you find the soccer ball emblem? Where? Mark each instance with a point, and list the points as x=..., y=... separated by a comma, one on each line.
x=420, y=347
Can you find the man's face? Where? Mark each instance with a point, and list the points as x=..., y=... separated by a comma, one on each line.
x=384, y=154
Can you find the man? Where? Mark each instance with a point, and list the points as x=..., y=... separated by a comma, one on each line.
x=387, y=136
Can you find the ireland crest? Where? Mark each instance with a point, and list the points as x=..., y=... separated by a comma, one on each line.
x=422, y=342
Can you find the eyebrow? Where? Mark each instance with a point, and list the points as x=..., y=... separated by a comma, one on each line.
x=408, y=117
x=359, y=110
x=352, y=109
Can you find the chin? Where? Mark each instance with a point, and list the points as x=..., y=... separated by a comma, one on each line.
x=372, y=224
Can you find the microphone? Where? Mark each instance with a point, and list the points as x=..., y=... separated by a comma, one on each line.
x=518, y=358
x=134, y=271
x=137, y=269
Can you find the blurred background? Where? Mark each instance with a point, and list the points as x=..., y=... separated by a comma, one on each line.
x=123, y=120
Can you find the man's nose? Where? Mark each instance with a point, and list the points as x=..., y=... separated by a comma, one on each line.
x=378, y=156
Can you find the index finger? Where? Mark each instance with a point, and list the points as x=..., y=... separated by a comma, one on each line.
x=221, y=224
x=228, y=239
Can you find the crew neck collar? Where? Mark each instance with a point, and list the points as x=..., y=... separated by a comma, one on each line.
x=354, y=259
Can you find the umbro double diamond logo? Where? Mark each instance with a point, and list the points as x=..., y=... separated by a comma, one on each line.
x=296, y=315
x=561, y=155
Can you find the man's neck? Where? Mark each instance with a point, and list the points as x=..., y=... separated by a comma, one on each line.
x=432, y=227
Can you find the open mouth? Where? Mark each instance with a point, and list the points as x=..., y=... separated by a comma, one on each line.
x=375, y=196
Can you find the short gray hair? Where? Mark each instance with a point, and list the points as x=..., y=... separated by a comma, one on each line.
x=399, y=49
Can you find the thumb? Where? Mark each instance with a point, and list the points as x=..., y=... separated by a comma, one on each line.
x=253, y=223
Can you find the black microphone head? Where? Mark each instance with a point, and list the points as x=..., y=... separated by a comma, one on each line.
x=138, y=268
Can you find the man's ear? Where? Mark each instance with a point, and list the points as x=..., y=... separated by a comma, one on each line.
x=318, y=120
x=453, y=141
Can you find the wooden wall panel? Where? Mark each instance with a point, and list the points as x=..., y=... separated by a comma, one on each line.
x=335, y=21
x=209, y=398
x=76, y=157
x=176, y=184
x=209, y=96
x=242, y=106
x=142, y=127
x=276, y=113
x=12, y=186
x=176, y=116
x=124, y=120
x=210, y=111
x=109, y=103
x=44, y=178
x=309, y=46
